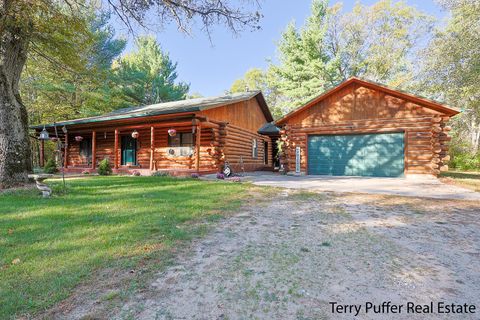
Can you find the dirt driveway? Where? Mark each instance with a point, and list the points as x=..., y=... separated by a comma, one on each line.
x=289, y=256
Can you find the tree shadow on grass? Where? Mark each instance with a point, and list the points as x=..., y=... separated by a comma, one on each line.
x=461, y=175
x=99, y=221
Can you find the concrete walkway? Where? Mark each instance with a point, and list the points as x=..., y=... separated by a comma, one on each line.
x=427, y=187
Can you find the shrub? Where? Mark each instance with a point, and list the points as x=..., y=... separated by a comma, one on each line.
x=465, y=162
x=160, y=174
x=220, y=176
x=195, y=175
x=104, y=168
x=85, y=172
x=50, y=167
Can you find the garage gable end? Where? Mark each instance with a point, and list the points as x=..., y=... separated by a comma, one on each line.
x=357, y=99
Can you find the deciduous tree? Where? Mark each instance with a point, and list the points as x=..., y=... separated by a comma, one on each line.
x=451, y=70
x=376, y=42
x=42, y=26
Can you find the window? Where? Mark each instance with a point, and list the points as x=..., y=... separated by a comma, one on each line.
x=181, y=144
x=181, y=139
x=254, y=149
x=86, y=150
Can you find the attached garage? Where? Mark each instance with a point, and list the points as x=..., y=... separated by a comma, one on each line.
x=361, y=128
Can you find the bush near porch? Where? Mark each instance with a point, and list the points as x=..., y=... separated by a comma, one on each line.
x=49, y=246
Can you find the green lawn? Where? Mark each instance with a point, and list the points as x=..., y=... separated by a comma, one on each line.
x=48, y=246
x=470, y=180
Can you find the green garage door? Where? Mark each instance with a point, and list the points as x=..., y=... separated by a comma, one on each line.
x=376, y=155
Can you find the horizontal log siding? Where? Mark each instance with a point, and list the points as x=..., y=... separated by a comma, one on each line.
x=238, y=146
x=356, y=109
x=422, y=145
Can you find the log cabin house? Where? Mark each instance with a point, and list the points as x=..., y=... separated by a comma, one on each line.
x=361, y=128
x=179, y=137
x=358, y=128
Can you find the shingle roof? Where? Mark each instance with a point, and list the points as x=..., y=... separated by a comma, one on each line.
x=181, y=106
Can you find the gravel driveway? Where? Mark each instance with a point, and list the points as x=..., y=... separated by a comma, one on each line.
x=420, y=186
x=287, y=257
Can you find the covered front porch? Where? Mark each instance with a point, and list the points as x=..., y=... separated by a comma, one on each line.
x=174, y=144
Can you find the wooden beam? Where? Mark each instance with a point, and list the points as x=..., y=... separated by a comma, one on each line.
x=42, y=153
x=208, y=124
x=115, y=150
x=139, y=126
x=94, y=149
x=65, y=155
x=152, y=146
x=198, y=135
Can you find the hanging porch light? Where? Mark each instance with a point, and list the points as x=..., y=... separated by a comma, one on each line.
x=78, y=138
x=135, y=134
x=44, y=134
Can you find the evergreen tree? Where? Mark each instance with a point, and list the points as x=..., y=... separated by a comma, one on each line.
x=375, y=42
x=53, y=92
x=148, y=75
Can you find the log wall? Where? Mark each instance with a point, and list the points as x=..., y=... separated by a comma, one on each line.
x=356, y=110
x=238, y=149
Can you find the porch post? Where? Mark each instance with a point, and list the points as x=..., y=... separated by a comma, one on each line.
x=152, y=146
x=198, y=135
x=94, y=149
x=115, y=150
x=65, y=155
x=42, y=153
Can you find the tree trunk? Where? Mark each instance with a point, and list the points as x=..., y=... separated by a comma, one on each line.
x=15, y=160
x=474, y=135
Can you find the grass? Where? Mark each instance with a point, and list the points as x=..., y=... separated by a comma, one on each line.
x=49, y=246
x=470, y=180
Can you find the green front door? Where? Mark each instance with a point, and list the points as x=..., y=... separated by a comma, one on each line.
x=376, y=155
x=129, y=150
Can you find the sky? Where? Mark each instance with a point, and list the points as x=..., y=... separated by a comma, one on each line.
x=212, y=66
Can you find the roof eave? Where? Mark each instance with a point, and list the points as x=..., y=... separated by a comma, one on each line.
x=264, y=106
x=103, y=120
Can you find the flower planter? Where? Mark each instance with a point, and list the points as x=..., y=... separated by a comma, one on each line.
x=172, y=132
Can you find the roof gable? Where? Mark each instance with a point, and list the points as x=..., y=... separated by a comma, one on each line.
x=424, y=102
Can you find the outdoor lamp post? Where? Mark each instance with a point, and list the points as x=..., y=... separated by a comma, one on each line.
x=42, y=137
x=44, y=134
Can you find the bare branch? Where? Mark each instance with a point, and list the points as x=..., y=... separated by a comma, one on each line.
x=185, y=12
